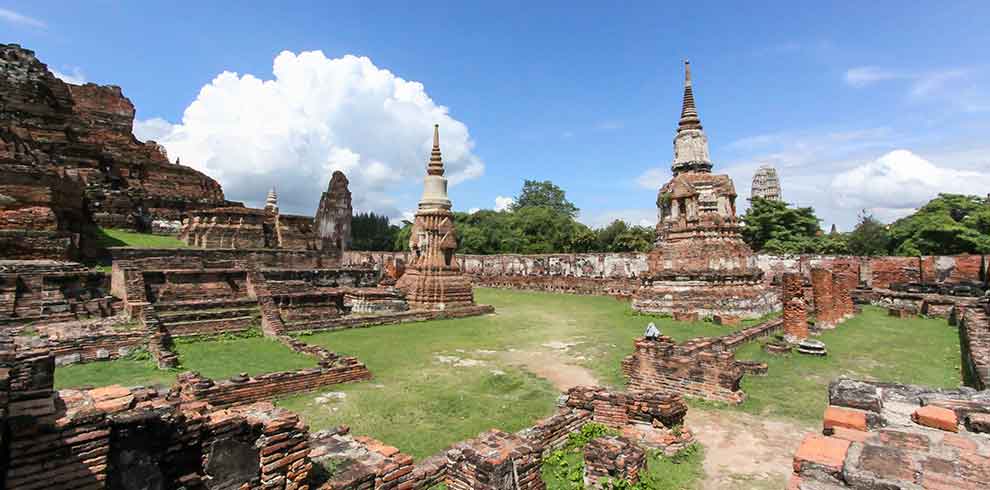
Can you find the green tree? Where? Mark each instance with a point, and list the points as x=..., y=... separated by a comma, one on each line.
x=775, y=227
x=370, y=231
x=544, y=194
x=948, y=224
x=870, y=237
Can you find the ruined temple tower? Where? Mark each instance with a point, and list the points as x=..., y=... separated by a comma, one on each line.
x=699, y=263
x=333, y=217
x=766, y=184
x=433, y=279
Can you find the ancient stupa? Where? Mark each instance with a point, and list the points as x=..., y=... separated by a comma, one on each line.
x=699, y=263
x=433, y=279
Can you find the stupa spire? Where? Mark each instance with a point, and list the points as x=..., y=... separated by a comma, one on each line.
x=689, y=113
x=690, y=142
x=272, y=200
x=435, y=166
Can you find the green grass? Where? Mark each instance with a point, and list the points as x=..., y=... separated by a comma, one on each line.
x=421, y=405
x=126, y=372
x=110, y=237
x=221, y=359
x=217, y=359
x=869, y=346
x=563, y=469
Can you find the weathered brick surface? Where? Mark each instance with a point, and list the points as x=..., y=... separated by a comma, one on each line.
x=974, y=340
x=926, y=450
x=69, y=159
x=662, y=365
x=795, y=311
x=612, y=458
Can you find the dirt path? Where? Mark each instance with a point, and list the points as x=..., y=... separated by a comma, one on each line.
x=743, y=451
x=552, y=366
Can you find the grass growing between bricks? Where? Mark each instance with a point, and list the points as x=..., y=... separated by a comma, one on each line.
x=218, y=359
x=871, y=346
x=440, y=382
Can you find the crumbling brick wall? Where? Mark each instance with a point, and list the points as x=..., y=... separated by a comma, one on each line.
x=708, y=372
x=974, y=341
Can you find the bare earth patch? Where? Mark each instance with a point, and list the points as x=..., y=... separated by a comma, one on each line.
x=743, y=451
x=552, y=366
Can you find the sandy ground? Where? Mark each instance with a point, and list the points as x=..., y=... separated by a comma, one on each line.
x=743, y=451
x=551, y=366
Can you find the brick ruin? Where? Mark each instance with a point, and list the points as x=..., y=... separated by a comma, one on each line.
x=240, y=227
x=70, y=160
x=703, y=367
x=795, y=317
x=618, y=274
x=202, y=434
x=882, y=435
x=35, y=293
x=700, y=262
x=333, y=216
x=433, y=279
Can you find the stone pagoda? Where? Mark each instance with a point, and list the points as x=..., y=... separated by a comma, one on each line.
x=699, y=264
x=433, y=279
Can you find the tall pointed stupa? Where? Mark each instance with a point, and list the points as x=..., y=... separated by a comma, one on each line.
x=699, y=263
x=433, y=278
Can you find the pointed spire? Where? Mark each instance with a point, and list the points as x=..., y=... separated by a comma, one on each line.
x=435, y=167
x=272, y=200
x=689, y=113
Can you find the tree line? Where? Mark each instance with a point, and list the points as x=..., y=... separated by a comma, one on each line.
x=542, y=220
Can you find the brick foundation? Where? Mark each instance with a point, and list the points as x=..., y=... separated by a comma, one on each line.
x=869, y=441
x=611, y=458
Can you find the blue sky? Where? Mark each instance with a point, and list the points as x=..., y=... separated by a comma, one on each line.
x=875, y=105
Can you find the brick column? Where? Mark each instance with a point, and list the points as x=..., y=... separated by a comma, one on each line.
x=821, y=286
x=842, y=295
x=795, y=310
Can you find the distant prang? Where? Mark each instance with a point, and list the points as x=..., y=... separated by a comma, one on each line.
x=766, y=184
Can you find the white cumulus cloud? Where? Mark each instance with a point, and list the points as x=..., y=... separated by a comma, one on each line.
x=502, y=203
x=316, y=115
x=900, y=181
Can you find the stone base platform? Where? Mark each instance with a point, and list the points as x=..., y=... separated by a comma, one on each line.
x=707, y=298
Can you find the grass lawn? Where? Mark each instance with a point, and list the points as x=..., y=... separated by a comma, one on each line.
x=110, y=237
x=126, y=372
x=870, y=346
x=217, y=359
x=440, y=382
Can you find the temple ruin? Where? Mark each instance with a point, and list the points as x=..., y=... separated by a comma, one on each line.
x=700, y=264
x=69, y=161
x=333, y=217
x=766, y=184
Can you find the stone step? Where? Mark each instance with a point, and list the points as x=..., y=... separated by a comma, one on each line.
x=209, y=327
x=170, y=317
x=168, y=306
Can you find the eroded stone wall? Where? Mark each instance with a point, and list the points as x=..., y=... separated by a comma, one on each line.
x=619, y=273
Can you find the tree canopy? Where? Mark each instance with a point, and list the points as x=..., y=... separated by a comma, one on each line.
x=949, y=224
x=544, y=194
x=776, y=227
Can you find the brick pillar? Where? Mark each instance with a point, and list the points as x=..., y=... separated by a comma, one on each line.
x=842, y=295
x=821, y=287
x=795, y=314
